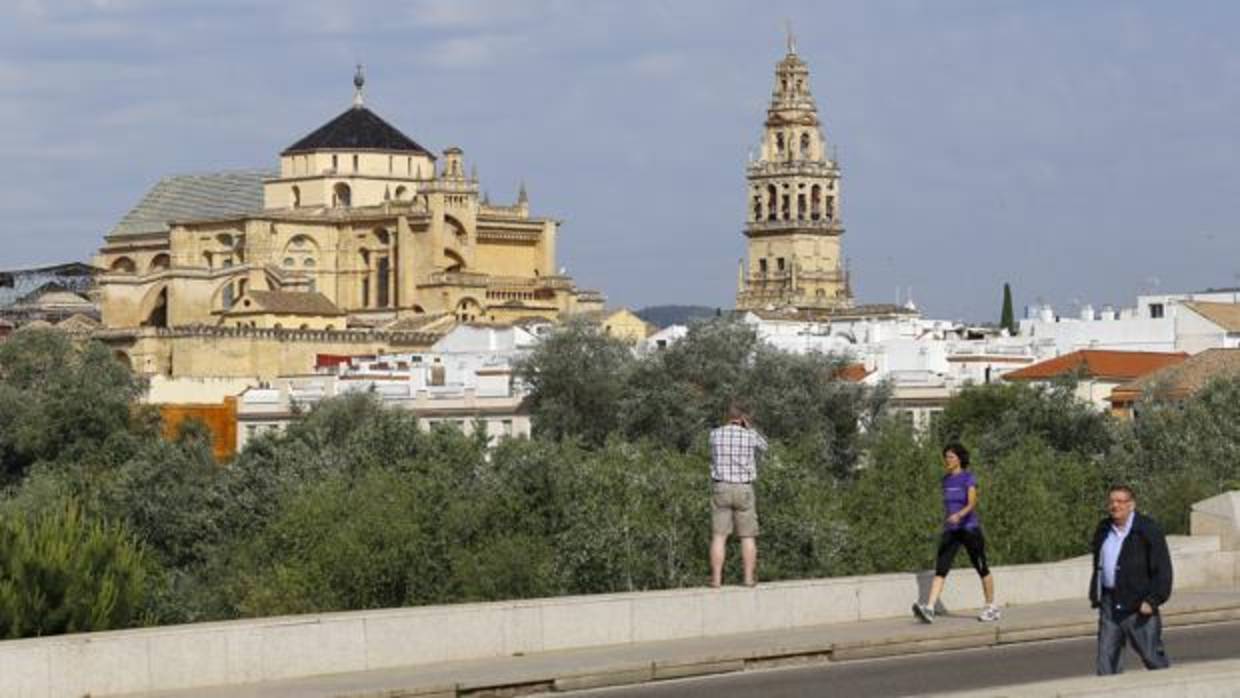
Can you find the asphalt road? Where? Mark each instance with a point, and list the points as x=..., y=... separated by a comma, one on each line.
x=940, y=672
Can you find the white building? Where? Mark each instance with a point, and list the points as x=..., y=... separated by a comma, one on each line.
x=466, y=381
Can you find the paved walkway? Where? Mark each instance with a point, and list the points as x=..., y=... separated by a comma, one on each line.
x=639, y=663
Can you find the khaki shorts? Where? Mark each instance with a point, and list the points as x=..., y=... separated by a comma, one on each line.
x=733, y=509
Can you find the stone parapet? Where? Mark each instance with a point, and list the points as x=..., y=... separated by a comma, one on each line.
x=266, y=649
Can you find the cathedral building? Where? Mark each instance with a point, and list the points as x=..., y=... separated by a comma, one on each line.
x=794, y=223
x=362, y=241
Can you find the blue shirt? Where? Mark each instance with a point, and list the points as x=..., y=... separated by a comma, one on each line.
x=1108, y=557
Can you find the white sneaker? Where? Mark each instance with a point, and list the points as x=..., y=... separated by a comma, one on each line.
x=989, y=614
x=923, y=612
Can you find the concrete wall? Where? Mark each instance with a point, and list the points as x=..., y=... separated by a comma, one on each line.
x=276, y=648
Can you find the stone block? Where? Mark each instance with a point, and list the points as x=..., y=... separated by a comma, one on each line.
x=100, y=663
x=244, y=646
x=729, y=610
x=188, y=659
x=318, y=646
x=669, y=616
x=437, y=634
x=583, y=623
x=886, y=595
x=523, y=631
x=25, y=669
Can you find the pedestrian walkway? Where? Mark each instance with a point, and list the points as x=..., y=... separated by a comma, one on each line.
x=653, y=661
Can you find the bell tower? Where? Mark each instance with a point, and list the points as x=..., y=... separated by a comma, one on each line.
x=793, y=226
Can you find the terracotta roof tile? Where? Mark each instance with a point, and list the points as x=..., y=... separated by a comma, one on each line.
x=1183, y=379
x=1098, y=363
x=286, y=303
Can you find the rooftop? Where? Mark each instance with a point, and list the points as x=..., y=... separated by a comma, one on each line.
x=286, y=303
x=1225, y=315
x=1095, y=363
x=357, y=128
x=195, y=197
x=1183, y=379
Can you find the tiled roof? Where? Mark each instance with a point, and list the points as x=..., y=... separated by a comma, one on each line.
x=1183, y=379
x=357, y=128
x=1098, y=363
x=1225, y=315
x=195, y=197
x=853, y=373
x=287, y=303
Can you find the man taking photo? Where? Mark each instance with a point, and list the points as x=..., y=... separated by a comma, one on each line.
x=735, y=449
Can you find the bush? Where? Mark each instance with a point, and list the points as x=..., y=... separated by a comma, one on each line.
x=60, y=573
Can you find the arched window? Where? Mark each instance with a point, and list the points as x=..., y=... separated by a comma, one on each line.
x=342, y=196
x=160, y=262
x=355, y=163
x=779, y=143
x=815, y=202
x=757, y=207
x=400, y=193
x=157, y=316
x=805, y=146
x=771, y=202
x=124, y=265
x=800, y=207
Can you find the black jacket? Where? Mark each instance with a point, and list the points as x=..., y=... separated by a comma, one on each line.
x=1143, y=572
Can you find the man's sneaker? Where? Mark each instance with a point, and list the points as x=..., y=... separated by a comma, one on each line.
x=989, y=614
x=923, y=612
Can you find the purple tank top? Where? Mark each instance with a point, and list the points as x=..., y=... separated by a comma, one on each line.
x=956, y=497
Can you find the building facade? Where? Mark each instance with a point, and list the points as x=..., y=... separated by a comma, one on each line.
x=793, y=229
x=361, y=227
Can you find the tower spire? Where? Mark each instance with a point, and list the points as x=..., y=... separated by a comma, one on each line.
x=359, y=81
x=792, y=40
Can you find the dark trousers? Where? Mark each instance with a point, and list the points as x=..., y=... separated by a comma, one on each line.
x=1116, y=628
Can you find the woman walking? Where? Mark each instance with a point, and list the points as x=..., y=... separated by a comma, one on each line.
x=961, y=527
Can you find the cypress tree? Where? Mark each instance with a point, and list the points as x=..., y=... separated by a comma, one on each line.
x=1007, y=320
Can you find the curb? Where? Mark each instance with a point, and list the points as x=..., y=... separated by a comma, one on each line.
x=794, y=654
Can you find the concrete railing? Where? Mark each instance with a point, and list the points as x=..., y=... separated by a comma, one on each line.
x=234, y=652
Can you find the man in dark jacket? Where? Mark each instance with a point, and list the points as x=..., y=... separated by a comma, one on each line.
x=1132, y=578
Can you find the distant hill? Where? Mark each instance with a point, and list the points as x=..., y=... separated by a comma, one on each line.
x=664, y=315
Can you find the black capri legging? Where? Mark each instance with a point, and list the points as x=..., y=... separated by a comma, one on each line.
x=949, y=545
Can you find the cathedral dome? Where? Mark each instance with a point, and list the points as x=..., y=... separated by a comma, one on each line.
x=357, y=128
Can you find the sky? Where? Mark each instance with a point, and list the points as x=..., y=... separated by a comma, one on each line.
x=1084, y=152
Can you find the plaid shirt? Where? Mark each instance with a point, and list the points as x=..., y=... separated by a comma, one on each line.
x=734, y=452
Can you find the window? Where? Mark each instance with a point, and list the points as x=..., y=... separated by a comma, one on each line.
x=779, y=263
x=1156, y=310
x=762, y=265
x=335, y=164
x=381, y=285
x=288, y=261
x=355, y=163
x=296, y=197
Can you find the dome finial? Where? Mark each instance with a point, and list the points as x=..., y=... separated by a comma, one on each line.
x=792, y=40
x=359, y=81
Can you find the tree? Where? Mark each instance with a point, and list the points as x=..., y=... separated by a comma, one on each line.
x=1007, y=319
x=575, y=378
x=68, y=404
x=63, y=573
